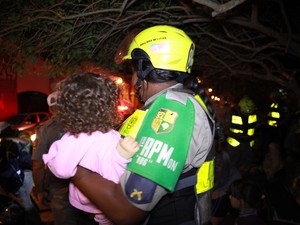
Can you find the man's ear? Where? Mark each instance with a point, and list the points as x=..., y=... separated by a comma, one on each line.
x=145, y=83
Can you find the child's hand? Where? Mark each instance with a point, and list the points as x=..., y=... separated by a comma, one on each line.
x=127, y=147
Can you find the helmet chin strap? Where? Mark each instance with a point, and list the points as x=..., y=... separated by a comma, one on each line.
x=141, y=75
x=138, y=86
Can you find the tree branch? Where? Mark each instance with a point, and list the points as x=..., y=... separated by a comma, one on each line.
x=219, y=8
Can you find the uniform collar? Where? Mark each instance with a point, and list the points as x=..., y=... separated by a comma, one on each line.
x=152, y=98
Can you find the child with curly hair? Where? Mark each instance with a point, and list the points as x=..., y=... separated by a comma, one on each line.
x=87, y=109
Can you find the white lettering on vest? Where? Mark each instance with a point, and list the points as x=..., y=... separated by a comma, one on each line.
x=142, y=161
x=147, y=143
x=165, y=154
x=157, y=149
x=172, y=164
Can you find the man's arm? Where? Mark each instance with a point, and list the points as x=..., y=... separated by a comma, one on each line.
x=38, y=173
x=38, y=168
x=108, y=197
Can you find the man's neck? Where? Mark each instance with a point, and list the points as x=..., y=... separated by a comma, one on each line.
x=158, y=87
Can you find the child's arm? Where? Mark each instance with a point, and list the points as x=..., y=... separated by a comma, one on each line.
x=127, y=147
x=113, y=163
x=65, y=155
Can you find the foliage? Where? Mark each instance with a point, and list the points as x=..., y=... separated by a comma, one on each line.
x=254, y=40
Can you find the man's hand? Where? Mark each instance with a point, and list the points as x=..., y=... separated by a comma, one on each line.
x=41, y=199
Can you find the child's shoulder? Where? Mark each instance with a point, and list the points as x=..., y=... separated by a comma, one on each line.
x=111, y=134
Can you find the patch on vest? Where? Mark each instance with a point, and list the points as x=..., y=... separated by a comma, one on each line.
x=164, y=121
x=139, y=189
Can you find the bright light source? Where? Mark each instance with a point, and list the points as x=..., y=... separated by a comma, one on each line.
x=198, y=80
x=122, y=108
x=119, y=80
x=33, y=137
x=210, y=89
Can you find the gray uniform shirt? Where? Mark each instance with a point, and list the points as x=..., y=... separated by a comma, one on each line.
x=200, y=144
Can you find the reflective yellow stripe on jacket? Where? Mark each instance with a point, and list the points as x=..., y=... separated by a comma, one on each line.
x=273, y=115
x=205, y=175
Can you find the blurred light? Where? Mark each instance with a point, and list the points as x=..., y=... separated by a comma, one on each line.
x=210, y=90
x=119, y=80
x=122, y=108
x=198, y=80
x=33, y=137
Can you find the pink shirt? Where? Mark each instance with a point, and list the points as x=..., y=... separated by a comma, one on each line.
x=96, y=152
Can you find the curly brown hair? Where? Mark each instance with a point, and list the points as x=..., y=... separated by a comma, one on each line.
x=88, y=102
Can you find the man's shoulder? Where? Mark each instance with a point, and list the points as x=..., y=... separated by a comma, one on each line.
x=53, y=122
x=182, y=95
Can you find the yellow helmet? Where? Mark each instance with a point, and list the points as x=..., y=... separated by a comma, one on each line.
x=247, y=105
x=167, y=48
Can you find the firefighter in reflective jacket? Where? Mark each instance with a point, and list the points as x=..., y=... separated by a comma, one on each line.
x=278, y=112
x=240, y=134
x=278, y=116
x=274, y=115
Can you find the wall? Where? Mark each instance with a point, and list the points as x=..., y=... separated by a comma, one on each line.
x=33, y=79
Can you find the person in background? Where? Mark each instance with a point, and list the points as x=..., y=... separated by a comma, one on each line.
x=240, y=132
x=50, y=190
x=278, y=112
x=15, y=151
x=225, y=174
x=282, y=181
x=295, y=187
x=248, y=197
x=169, y=179
x=87, y=109
x=291, y=142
